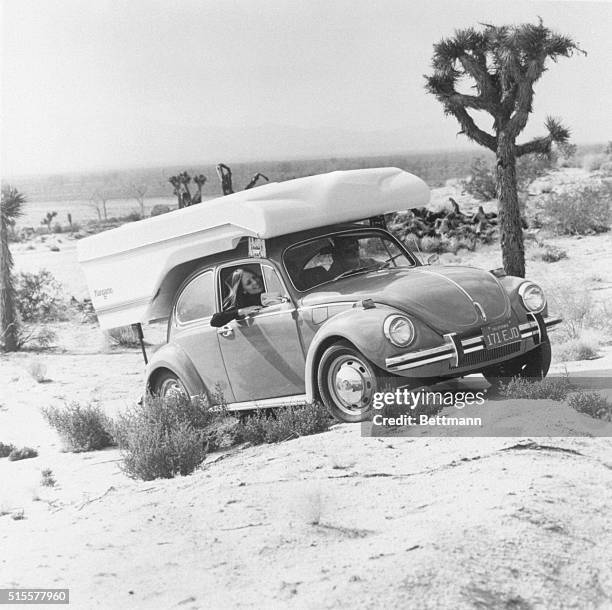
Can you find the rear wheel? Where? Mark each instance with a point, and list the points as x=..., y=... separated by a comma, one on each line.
x=168, y=385
x=533, y=365
x=347, y=382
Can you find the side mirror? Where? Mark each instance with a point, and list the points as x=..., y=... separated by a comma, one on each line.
x=272, y=298
x=434, y=258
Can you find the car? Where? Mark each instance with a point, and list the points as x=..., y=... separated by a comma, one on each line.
x=334, y=307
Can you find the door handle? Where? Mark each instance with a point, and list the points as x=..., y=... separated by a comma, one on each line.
x=225, y=331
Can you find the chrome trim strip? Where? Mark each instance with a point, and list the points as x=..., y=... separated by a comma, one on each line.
x=471, y=345
x=269, y=403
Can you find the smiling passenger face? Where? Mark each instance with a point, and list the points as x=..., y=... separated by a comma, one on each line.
x=251, y=284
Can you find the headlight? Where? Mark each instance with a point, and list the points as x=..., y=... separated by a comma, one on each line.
x=399, y=330
x=532, y=296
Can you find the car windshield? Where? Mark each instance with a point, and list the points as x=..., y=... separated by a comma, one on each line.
x=342, y=254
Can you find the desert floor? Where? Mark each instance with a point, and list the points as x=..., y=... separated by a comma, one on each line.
x=332, y=520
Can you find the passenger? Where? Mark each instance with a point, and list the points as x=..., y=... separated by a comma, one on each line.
x=244, y=298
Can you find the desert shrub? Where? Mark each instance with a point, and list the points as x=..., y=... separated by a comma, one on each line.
x=159, y=452
x=39, y=297
x=580, y=211
x=37, y=370
x=81, y=427
x=553, y=388
x=133, y=216
x=580, y=312
x=481, y=181
x=47, y=479
x=548, y=253
x=35, y=338
x=591, y=403
x=592, y=162
x=84, y=309
x=161, y=438
x=583, y=347
x=160, y=208
x=24, y=453
x=5, y=449
x=123, y=336
x=284, y=424
x=431, y=245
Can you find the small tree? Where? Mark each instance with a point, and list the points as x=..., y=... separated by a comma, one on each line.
x=48, y=219
x=503, y=64
x=11, y=207
x=98, y=200
x=138, y=192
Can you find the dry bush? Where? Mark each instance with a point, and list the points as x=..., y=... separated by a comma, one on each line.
x=37, y=370
x=553, y=388
x=583, y=210
x=592, y=162
x=123, y=336
x=591, y=403
x=39, y=297
x=583, y=347
x=25, y=453
x=161, y=438
x=5, y=449
x=34, y=338
x=81, y=428
x=548, y=253
x=284, y=424
x=47, y=479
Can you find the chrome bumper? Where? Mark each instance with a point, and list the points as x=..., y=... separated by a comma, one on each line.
x=455, y=349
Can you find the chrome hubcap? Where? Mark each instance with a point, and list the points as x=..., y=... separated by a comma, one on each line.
x=351, y=384
x=172, y=388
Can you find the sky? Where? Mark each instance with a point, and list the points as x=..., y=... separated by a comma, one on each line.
x=136, y=83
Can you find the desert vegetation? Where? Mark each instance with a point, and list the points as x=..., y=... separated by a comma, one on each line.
x=503, y=63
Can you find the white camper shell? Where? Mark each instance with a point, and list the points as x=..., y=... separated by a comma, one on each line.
x=133, y=271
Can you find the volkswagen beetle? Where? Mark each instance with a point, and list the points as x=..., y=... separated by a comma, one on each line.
x=334, y=305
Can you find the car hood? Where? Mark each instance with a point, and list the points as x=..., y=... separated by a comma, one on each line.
x=449, y=299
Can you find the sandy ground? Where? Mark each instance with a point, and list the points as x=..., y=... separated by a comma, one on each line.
x=333, y=520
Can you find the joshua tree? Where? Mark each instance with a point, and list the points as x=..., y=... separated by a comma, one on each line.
x=200, y=180
x=176, y=189
x=48, y=219
x=503, y=64
x=225, y=175
x=10, y=209
x=185, y=179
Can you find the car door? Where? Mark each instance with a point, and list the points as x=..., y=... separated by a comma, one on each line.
x=192, y=332
x=263, y=354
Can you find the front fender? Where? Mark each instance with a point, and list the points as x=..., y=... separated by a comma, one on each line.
x=173, y=358
x=364, y=329
x=512, y=284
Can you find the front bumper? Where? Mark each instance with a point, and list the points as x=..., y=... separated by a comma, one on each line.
x=471, y=352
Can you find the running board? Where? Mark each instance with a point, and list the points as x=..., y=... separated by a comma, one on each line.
x=269, y=403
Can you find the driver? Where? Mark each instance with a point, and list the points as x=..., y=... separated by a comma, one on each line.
x=345, y=256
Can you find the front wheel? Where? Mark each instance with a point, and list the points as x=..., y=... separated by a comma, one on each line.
x=347, y=382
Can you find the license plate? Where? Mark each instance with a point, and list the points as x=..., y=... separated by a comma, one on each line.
x=496, y=335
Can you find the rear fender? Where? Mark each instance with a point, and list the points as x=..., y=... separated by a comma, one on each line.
x=174, y=359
